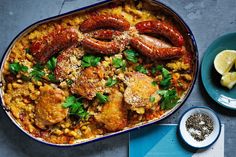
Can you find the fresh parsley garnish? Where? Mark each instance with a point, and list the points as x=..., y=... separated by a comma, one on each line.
x=131, y=55
x=37, y=73
x=154, y=83
x=51, y=64
x=169, y=99
x=69, y=81
x=90, y=60
x=155, y=69
x=110, y=82
x=27, y=50
x=75, y=107
x=141, y=69
x=101, y=98
x=16, y=67
x=152, y=99
x=52, y=78
x=119, y=63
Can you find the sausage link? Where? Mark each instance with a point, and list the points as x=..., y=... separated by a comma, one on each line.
x=155, y=52
x=105, y=34
x=104, y=21
x=52, y=43
x=100, y=47
x=161, y=28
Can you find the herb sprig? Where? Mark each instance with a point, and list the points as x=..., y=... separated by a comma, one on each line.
x=102, y=98
x=16, y=67
x=169, y=99
x=75, y=107
x=111, y=82
x=90, y=60
x=131, y=55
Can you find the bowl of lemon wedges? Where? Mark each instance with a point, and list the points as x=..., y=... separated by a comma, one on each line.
x=218, y=70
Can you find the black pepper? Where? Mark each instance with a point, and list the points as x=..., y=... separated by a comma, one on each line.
x=199, y=126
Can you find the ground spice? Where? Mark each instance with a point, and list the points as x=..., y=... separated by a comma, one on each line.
x=199, y=126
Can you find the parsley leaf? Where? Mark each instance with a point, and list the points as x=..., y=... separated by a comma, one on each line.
x=152, y=99
x=119, y=63
x=101, y=98
x=69, y=81
x=110, y=82
x=37, y=72
x=52, y=78
x=131, y=55
x=75, y=107
x=15, y=68
x=154, y=83
x=169, y=99
x=27, y=50
x=166, y=81
x=51, y=64
x=156, y=68
x=141, y=69
x=90, y=60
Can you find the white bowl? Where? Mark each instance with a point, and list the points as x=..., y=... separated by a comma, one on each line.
x=209, y=140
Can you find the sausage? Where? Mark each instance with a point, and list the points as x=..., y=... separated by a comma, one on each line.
x=155, y=52
x=161, y=28
x=104, y=21
x=59, y=39
x=154, y=41
x=100, y=47
x=105, y=34
x=67, y=62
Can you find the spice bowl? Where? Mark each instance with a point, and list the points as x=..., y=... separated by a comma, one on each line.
x=199, y=127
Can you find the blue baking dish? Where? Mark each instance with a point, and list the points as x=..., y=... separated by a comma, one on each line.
x=152, y=5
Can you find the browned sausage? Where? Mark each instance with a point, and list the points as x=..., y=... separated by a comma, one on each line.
x=100, y=47
x=104, y=21
x=52, y=43
x=105, y=34
x=161, y=28
x=67, y=60
x=155, y=52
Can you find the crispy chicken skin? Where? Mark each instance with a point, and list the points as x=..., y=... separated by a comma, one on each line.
x=113, y=114
x=139, y=90
x=88, y=83
x=48, y=109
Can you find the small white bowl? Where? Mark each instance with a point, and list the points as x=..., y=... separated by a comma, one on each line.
x=209, y=140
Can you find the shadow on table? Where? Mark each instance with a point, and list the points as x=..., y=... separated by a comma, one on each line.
x=15, y=141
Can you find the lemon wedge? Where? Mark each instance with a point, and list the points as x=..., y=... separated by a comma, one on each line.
x=228, y=80
x=224, y=61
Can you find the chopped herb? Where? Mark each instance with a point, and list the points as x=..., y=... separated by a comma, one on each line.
x=156, y=68
x=27, y=50
x=37, y=72
x=110, y=82
x=101, y=98
x=169, y=99
x=90, y=60
x=69, y=81
x=52, y=78
x=118, y=63
x=154, y=83
x=15, y=67
x=51, y=64
x=25, y=78
x=166, y=81
x=152, y=99
x=131, y=55
x=75, y=107
x=141, y=69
